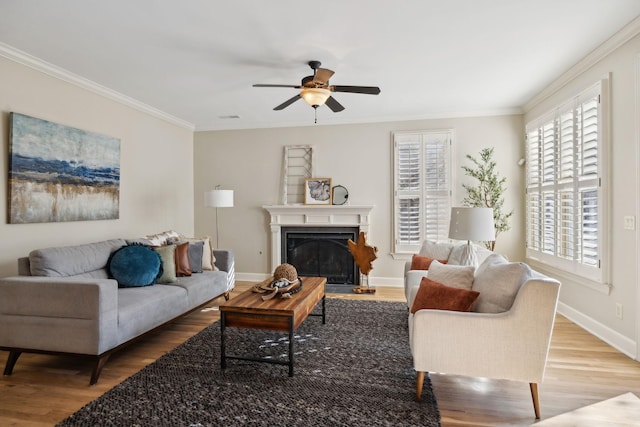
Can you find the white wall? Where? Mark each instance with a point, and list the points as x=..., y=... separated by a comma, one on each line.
x=356, y=156
x=156, y=165
x=593, y=309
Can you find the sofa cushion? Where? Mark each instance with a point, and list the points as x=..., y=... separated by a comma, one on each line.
x=419, y=262
x=498, y=282
x=135, y=265
x=202, y=287
x=65, y=261
x=434, y=295
x=167, y=254
x=436, y=250
x=456, y=276
x=141, y=309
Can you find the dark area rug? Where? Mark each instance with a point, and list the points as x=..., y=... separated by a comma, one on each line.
x=354, y=371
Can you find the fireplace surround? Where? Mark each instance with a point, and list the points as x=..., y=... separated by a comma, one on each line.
x=324, y=227
x=321, y=251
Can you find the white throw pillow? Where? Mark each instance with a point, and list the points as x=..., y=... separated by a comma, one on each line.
x=455, y=276
x=436, y=250
x=498, y=282
x=160, y=239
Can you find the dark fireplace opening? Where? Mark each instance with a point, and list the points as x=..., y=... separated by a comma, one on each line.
x=321, y=251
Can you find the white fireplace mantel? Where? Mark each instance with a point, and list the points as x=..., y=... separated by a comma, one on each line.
x=310, y=215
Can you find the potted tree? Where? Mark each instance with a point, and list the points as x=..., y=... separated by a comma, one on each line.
x=489, y=191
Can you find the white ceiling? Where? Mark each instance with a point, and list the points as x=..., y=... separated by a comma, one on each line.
x=197, y=59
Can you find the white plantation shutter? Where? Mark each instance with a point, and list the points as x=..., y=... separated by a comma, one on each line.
x=408, y=177
x=587, y=170
x=565, y=200
x=566, y=142
x=534, y=198
x=422, y=188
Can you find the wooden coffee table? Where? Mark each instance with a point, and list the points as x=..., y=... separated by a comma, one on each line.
x=248, y=310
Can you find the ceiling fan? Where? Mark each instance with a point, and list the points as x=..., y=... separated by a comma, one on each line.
x=316, y=89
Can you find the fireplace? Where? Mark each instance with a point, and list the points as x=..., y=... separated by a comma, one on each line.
x=321, y=251
x=330, y=220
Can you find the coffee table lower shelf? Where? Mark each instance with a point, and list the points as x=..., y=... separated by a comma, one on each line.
x=248, y=310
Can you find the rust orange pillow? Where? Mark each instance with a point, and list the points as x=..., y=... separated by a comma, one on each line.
x=434, y=295
x=419, y=262
x=183, y=268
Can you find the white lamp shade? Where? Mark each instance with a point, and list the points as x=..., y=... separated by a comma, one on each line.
x=315, y=96
x=473, y=224
x=218, y=198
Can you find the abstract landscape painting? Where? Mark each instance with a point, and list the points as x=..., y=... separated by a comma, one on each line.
x=59, y=173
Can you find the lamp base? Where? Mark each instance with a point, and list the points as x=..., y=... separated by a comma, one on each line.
x=468, y=255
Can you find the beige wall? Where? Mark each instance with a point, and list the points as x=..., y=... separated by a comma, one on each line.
x=597, y=308
x=356, y=156
x=156, y=165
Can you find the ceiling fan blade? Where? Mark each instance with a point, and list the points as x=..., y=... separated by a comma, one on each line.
x=334, y=105
x=268, y=85
x=288, y=102
x=322, y=76
x=369, y=90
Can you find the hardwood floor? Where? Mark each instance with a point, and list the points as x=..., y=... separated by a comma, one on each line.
x=581, y=370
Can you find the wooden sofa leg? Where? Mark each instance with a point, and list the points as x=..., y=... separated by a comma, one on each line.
x=419, y=384
x=11, y=361
x=97, y=369
x=536, y=400
x=227, y=295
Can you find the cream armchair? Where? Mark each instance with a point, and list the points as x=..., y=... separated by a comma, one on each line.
x=510, y=345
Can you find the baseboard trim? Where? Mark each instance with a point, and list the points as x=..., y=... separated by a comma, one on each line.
x=606, y=334
x=373, y=281
x=252, y=277
x=387, y=281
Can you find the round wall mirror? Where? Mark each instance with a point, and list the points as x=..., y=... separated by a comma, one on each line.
x=339, y=195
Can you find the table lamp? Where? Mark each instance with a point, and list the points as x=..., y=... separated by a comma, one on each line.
x=471, y=224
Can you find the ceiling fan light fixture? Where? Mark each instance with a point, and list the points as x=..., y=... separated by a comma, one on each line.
x=315, y=96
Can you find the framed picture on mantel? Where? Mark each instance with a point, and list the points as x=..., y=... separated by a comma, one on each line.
x=317, y=191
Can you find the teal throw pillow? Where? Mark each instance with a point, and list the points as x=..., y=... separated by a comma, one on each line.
x=135, y=265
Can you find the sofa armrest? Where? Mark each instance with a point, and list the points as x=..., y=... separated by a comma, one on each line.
x=59, y=314
x=412, y=279
x=226, y=262
x=224, y=259
x=407, y=267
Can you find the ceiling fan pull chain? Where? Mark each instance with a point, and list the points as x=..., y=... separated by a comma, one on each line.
x=315, y=112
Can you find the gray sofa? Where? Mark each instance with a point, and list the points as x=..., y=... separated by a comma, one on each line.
x=64, y=302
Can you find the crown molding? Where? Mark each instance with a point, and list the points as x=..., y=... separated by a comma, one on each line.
x=627, y=32
x=37, y=64
x=334, y=121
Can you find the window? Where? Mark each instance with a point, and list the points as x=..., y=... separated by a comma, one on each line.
x=422, y=188
x=565, y=205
